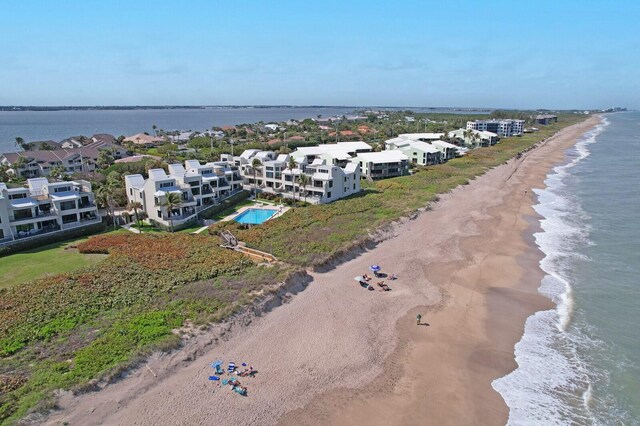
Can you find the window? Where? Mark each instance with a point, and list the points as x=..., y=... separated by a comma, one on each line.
x=67, y=205
x=62, y=189
x=166, y=184
x=330, y=184
x=328, y=195
x=159, y=213
x=69, y=218
x=131, y=191
x=17, y=196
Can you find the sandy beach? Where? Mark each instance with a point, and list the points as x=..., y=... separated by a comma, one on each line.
x=335, y=353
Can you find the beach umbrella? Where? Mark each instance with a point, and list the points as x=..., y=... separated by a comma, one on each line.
x=359, y=278
x=216, y=364
x=375, y=268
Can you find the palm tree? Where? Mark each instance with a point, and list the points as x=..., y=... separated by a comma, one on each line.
x=291, y=165
x=58, y=172
x=172, y=200
x=304, y=181
x=20, y=143
x=107, y=197
x=20, y=163
x=135, y=205
x=155, y=129
x=255, y=165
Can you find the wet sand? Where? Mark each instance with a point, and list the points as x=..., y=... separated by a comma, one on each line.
x=339, y=354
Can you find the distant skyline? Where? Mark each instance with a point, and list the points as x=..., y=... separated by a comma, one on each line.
x=503, y=54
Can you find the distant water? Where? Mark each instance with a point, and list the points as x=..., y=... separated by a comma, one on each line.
x=580, y=363
x=58, y=125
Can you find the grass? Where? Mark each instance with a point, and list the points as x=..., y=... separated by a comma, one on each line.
x=52, y=259
x=232, y=210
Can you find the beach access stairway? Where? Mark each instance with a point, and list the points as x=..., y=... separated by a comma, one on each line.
x=232, y=243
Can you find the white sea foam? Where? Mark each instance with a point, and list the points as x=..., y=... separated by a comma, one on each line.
x=551, y=384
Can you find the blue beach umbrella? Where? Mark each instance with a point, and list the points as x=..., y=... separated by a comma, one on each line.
x=375, y=268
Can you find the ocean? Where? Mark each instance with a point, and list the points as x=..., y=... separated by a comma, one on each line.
x=580, y=363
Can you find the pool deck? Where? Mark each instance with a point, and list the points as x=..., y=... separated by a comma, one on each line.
x=281, y=209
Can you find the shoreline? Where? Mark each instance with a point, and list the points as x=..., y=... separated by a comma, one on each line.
x=333, y=336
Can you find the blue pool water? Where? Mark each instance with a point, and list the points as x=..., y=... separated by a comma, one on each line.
x=255, y=216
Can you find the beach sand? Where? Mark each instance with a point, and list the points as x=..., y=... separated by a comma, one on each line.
x=339, y=354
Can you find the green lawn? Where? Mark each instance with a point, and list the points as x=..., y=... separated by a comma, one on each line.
x=52, y=259
x=232, y=210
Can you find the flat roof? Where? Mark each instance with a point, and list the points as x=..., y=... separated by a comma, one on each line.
x=390, y=156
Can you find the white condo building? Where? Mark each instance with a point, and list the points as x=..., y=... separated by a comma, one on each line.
x=503, y=128
x=44, y=207
x=330, y=172
x=200, y=186
x=418, y=152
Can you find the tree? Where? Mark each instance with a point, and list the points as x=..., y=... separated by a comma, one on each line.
x=58, y=172
x=19, y=166
x=21, y=144
x=4, y=173
x=155, y=129
x=172, y=200
x=135, y=206
x=105, y=159
x=304, y=181
x=153, y=164
x=105, y=197
x=291, y=165
x=255, y=165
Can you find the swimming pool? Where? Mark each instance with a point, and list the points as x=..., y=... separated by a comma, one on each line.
x=255, y=216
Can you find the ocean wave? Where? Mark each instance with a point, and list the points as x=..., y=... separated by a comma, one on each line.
x=552, y=384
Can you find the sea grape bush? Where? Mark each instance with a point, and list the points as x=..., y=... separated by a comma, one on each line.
x=139, y=268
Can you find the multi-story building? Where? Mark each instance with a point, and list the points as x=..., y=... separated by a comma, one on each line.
x=546, y=119
x=504, y=128
x=200, y=187
x=475, y=138
x=381, y=165
x=448, y=150
x=418, y=152
x=76, y=160
x=330, y=173
x=44, y=207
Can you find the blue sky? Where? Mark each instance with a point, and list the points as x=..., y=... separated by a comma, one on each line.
x=511, y=54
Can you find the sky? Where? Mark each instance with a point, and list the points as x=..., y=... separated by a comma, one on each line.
x=499, y=54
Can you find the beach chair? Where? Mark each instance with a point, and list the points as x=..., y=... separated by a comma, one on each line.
x=232, y=367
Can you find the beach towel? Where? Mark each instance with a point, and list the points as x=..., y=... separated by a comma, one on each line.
x=232, y=367
x=225, y=382
x=214, y=378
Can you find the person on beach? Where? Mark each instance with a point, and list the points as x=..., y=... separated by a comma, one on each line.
x=418, y=319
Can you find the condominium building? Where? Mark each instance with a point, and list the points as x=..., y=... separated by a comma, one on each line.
x=546, y=119
x=44, y=207
x=75, y=160
x=504, y=128
x=330, y=173
x=418, y=152
x=475, y=138
x=448, y=150
x=200, y=187
x=381, y=165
